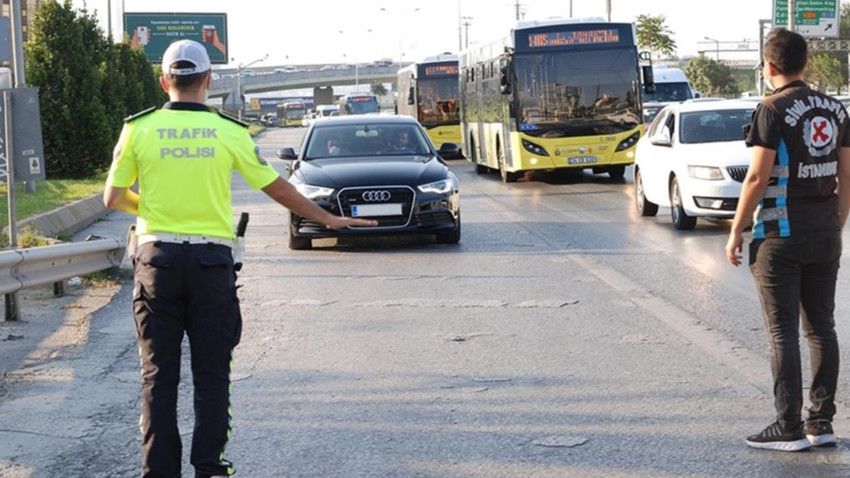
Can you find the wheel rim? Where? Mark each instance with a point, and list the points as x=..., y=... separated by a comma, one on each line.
x=639, y=187
x=674, y=200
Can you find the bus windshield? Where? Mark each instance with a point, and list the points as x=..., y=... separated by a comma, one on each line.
x=579, y=93
x=361, y=104
x=438, y=101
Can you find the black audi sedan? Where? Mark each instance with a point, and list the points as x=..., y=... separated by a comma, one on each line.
x=379, y=167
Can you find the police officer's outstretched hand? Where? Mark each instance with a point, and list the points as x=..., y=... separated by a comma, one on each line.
x=339, y=222
x=285, y=194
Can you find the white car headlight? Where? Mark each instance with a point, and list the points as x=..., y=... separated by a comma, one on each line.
x=439, y=187
x=314, y=192
x=711, y=173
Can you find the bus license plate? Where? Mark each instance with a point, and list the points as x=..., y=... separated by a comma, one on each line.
x=372, y=210
x=581, y=160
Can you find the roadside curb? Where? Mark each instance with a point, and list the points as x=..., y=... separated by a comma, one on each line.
x=65, y=220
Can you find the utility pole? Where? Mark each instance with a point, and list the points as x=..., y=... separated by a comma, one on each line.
x=792, y=14
x=608, y=8
x=466, y=23
x=518, y=8
x=459, y=28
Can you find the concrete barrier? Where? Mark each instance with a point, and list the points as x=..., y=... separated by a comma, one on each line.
x=64, y=220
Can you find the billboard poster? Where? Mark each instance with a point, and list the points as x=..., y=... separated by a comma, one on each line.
x=155, y=31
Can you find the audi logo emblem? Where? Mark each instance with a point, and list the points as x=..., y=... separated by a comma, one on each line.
x=376, y=196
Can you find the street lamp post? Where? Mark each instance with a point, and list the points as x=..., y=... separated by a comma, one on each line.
x=356, y=65
x=716, y=47
x=400, y=29
x=466, y=23
x=239, y=82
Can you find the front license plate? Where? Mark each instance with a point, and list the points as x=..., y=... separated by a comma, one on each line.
x=372, y=210
x=581, y=160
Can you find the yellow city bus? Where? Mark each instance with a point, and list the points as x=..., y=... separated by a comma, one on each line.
x=428, y=91
x=553, y=94
x=290, y=113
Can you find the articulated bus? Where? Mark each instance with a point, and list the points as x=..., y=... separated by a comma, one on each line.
x=290, y=113
x=358, y=104
x=428, y=91
x=553, y=94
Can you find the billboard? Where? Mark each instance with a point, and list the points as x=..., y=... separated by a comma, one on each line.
x=155, y=31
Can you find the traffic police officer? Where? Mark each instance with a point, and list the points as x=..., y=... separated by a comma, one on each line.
x=183, y=156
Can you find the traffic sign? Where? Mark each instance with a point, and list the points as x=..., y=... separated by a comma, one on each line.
x=815, y=18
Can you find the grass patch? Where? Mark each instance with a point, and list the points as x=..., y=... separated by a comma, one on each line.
x=49, y=194
x=107, y=277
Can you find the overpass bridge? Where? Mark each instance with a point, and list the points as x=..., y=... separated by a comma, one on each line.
x=227, y=88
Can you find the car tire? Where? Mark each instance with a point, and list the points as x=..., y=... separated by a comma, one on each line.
x=452, y=236
x=616, y=172
x=298, y=243
x=645, y=207
x=681, y=220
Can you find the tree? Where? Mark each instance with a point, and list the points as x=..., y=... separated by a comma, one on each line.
x=710, y=77
x=63, y=62
x=87, y=85
x=378, y=89
x=824, y=72
x=654, y=35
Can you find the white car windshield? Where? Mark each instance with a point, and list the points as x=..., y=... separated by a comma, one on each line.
x=714, y=126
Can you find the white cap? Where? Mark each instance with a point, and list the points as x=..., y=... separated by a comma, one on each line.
x=189, y=51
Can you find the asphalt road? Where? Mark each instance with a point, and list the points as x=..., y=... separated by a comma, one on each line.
x=563, y=336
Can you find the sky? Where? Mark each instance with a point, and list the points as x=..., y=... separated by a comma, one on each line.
x=344, y=31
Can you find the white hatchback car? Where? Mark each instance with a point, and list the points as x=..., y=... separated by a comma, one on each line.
x=693, y=160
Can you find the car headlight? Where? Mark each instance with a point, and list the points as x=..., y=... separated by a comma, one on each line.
x=314, y=192
x=533, y=148
x=438, y=187
x=710, y=173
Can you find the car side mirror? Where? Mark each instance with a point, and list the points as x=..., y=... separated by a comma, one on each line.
x=661, y=138
x=450, y=151
x=286, y=153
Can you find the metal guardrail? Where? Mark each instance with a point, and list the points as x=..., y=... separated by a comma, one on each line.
x=37, y=266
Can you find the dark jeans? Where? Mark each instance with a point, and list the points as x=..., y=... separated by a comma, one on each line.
x=796, y=279
x=185, y=288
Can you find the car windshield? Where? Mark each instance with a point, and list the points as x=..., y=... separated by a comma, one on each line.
x=714, y=126
x=358, y=140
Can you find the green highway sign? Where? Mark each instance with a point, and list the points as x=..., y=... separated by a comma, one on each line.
x=155, y=31
x=815, y=18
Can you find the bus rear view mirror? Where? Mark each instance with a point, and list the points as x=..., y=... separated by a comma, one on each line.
x=411, y=94
x=505, y=80
x=648, y=79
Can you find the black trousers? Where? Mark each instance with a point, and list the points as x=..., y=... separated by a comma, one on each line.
x=191, y=289
x=796, y=279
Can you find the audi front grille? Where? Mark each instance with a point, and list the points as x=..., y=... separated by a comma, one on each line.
x=373, y=195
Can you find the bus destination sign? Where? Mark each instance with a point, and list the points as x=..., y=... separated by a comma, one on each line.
x=574, y=37
x=441, y=70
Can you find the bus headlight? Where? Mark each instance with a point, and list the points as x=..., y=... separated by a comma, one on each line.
x=628, y=142
x=533, y=148
x=709, y=173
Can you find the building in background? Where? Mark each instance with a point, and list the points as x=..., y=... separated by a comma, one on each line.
x=28, y=9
